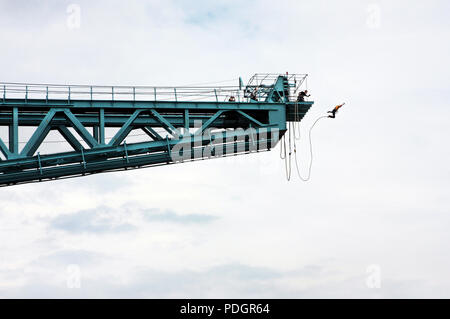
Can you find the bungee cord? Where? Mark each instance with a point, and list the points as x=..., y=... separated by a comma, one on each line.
x=294, y=134
x=306, y=179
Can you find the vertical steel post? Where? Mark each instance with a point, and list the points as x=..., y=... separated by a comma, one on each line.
x=186, y=121
x=39, y=162
x=101, y=132
x=82, y=157
x=169, y=151
x=14, y=132
x=95, y=131
x=126, y=151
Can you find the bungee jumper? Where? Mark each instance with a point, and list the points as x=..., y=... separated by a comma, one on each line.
x=334, y=111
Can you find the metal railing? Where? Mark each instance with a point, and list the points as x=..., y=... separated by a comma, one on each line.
x=115, y=93
x=28, y=91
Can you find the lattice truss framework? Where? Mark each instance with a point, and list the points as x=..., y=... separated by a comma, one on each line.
x=176, y=130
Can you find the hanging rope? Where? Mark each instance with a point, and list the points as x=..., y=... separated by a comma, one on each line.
x=296, y=113
x=296, y=122
x=287, y=157
x=283, y=143
x=305, y=179
x=289, y=167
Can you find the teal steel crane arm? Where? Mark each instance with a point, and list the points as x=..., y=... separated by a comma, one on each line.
x=177, y=125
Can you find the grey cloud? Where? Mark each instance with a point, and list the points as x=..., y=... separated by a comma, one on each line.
x=105, y=183
x=171, y=216
x=105, y=219
x=243, y=272
x=223, y=281
x=219, y=281
x=67, y=257
x=92, y=221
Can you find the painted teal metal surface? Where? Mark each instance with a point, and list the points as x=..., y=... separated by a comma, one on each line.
x=178, y=126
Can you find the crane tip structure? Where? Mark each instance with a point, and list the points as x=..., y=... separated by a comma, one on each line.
x=180, y=124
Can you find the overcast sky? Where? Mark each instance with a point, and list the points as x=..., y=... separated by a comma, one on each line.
x=376, y=212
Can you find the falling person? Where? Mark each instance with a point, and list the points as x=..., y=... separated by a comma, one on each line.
x=334, y=111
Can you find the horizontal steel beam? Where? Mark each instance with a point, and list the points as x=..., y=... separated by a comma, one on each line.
x=41, y=174
x=118, y=120
x=28, y=119
x=107, y=152
x=117, y=105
